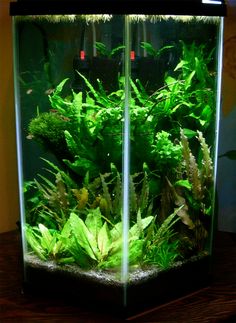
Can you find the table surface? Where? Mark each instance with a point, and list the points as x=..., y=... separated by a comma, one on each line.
x=215, y=303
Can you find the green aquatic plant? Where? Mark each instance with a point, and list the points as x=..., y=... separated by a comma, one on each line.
x=94, y=119
x=97, y=242
x=48, y=129
x=151, y=51
x=104, y=51
x=195, y=191
x=165, y=153
x=51, y=199
x=189, y=94
x=47, y=244
x=199, y=175
x=162, y=245
x=171, y=170
x=92, y=242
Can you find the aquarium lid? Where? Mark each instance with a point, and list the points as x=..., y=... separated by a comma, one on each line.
x=147, y=7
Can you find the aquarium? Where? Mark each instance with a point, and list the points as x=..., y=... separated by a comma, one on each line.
x=117, y=112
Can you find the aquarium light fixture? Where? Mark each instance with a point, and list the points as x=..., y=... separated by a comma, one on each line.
x=212, y=1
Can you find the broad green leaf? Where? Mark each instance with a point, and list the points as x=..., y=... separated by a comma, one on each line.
x=163, y=49
x=34, y=243
x=134, y=231
x=57, y=248
x=116, y=231
x=139, y=222
x=135, y=251
x=66, y=231
x=206, y=113
x=82, y=165
x=171, y=82
x=78, y=253
x=149, y=48
x=47, y=240
x=84, y=237
x=104, y=241
x=189, y=133
x=180, y=65
x=94, y=221
x=116, y=246
x=113, y=261
x=184, y=183
x=188, y=80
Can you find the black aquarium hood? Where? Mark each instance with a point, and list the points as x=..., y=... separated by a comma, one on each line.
x=147, y=7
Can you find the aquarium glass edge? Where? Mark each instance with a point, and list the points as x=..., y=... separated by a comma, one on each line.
x=217, y=121
x=18, y=133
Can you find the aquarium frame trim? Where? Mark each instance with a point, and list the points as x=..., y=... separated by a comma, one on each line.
x=159, y=7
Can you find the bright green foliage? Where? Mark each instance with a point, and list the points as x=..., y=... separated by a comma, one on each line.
x=88, y=127
x=162, y=245
x=189, y=95
x=74, y=214
x=165, y=153
x=93, y=242
x=47, y=244
x=164, y=254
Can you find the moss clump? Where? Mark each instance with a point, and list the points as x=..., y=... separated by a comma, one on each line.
x=48, y=129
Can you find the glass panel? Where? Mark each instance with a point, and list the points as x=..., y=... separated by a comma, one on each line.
x=70, y=90
x=173, y=113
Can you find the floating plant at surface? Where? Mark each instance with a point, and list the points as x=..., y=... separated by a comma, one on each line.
x=74, y=211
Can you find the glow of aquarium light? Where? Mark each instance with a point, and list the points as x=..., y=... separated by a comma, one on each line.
x=211, y=2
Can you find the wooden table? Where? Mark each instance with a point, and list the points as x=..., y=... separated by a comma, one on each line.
x=216, y=303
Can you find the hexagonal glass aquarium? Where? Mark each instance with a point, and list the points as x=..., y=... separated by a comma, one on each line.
x=117, y=112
